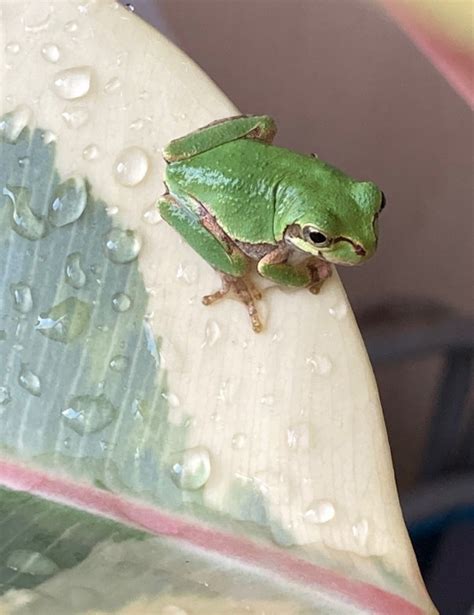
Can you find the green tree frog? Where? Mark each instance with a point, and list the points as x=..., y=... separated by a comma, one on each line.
x=236, y=199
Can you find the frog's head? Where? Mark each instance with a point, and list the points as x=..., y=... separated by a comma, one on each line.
x=341, y=227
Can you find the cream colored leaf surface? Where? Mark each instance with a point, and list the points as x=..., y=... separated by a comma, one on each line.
x=285, y=426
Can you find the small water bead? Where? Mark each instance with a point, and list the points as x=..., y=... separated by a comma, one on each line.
x=119, y=363
x=212, y=333
x=74, y=274
x=338, y=311
x=67, y=442
x=22, y=297
x=5, y=396
x=23, y=220
x=13, y=123
x=360, y=531
x=51, y=52
x=48, y=137
x=267, y=400
x=121, y=302
x=152, y=215
x=239, y=441
x=31, y=562
x=72, y=83
x=86, y=414
x=300, y=436
x=122, y=246
x=131, y=166
x=23, y=162
x=112, y=86
x=320, y=365
x=320, y=511
x=13, y=48
x=69, y=202
x=130, y=7
x=91, y=152
x=75, y=117
x=137, y=124
x=65, y=321
x=187, y=273
x=71, y=26
x=29, y=380
x=172, y=399
x=191, y=468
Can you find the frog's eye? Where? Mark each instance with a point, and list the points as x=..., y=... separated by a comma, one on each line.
x=316, y=237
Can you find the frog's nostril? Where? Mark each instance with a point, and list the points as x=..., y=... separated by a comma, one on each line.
x=359, y=250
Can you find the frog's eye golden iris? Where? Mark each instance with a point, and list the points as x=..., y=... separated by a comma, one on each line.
x=316, y=237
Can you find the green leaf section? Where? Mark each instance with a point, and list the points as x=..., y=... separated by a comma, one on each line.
x=81, y=385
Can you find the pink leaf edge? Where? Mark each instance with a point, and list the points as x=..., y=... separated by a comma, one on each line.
x=145, y=517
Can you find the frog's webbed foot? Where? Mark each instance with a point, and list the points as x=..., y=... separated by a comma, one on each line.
x=320, y=272
x=243, y=290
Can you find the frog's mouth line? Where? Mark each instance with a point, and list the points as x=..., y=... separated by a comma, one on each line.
x=294, y=231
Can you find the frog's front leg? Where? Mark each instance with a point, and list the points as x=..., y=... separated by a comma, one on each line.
x=212, y=244
x=311, y=273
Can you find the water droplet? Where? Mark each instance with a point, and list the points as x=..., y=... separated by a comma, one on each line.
x=121, y=246
x=67, y=442
x=144, y=95
x=12, y=124
x=239, y=441
x=212, y=333
x=267, y=400
x=152, y=215
x=191, y=468
x=23, y=220
x=300, y=436
x=22, y=298
x=71, y=26
x=69, y=202
x=187, y=273
x=31, y=562
x=277, y=337
x=319, y=365
x=320, y=511
x=5, y=396
x=51, y=53
x=13, y=48
x=360, y=531
x=150, y=342
x=172, y=399
x=121, y=302
x=119, y=363
x=90, y=152
x=23, y=162
x=137, y=124
x=113, y=85
x=29, y=380
x=338, y=311
x=112, y=210
x=48, y=137
x=130, y=7
x=73, y=82
x=104, y=445
x=65, y=321
x=75, y=117
x=74, y=273
x=86, y=414
x=131, y=166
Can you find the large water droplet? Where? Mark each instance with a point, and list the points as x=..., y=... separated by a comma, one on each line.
x=12, y=124
x=29, y=380
x=239, y=441
x=69, y=202
x=191, y=468
x=86, y=414
x=73, y=82
x=13, y=48
x=24, y=221
x=51, y=52
x=65, y=321
x=75, y=117
x=5, y=396
x=122, y=246
x=74, y=273
x=319, y=364
x=31, y=562
x=91, y=152
x=320, y=511
x=121, y=302
x=119, y=363
x=131, y=166
x=212, y=333
x=22, y=298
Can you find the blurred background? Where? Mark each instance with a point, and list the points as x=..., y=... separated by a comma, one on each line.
x=343, y=80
